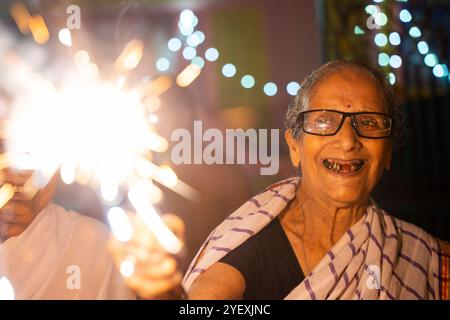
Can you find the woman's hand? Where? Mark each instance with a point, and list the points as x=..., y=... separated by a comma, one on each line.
x=156, y=273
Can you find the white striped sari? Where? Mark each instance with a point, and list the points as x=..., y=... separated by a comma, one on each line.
x=379, y=257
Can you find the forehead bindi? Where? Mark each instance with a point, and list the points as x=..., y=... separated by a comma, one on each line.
x=348, y=91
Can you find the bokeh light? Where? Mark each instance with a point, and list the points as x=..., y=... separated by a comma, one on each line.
x=247, y=81
x=292, y=88
x=211, y=54
x=229, y=70
x=270, y=89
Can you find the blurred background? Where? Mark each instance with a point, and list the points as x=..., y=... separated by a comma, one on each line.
x=253, y=54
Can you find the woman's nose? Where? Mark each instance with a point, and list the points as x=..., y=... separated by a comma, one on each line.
x=347, y=138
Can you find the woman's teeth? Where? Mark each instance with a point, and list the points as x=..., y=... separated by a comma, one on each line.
x=343, y=166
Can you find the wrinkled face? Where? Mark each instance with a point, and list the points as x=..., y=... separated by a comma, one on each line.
x=361, y=160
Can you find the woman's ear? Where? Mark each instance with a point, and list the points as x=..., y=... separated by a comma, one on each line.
x=294, y=148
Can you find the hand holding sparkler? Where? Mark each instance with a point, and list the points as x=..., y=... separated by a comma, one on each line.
x=148, y=268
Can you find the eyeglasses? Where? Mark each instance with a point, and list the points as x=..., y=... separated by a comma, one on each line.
x=323, y=122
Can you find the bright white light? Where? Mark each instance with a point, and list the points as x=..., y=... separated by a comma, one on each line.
x=228, y=70
x=430, y=60
x=152, y=220
x=422, y=47
x=167, y=176
x=68, y=172
x=188, y=20
x=174, y=44
x=156, y=143
x=270, y=89
x=194, y=21
x=247, y=81
x=109, y=190
x=120, y=225
x=127, y=268
x=415, y=32
x=394, y=38
x=6, y=289
x=200, y=35
x=378, y=1
x=188, y=75
x=7, y=191
x=380, y=39
x=81, y=58
x=405, y=16
x=189, y=53
x=64, y=37
x=211, y=54
x=395, y=61
x=193, y=40
x=185, y=30
x=198, y=61
x=153, y=118
x=391, y=78
x=162, y=64
x=371, y=9
x=187, y=17
x=440, y=70
x=114, y=130
x=130, y=56
x=380, y=19
x=292, y=88
x=383, y=59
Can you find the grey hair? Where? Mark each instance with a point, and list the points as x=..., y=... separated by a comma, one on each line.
x=310, y=83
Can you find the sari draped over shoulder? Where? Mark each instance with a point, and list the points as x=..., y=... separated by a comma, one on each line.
x=379, y=257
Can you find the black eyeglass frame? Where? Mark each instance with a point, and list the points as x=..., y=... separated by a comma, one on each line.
x=301, y=117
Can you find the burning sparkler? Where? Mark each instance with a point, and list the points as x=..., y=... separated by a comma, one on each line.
x=94, y=131
x=6, y=289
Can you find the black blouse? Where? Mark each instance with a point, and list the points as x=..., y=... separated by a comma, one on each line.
x=268, y=264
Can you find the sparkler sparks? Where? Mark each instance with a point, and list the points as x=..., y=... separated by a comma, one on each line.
x=189, y=74
x=65, y=37
x=21, y=16
x=97, y=132
x=39, y=29
x=6, y=289
x=130, y=56
x=6, y=193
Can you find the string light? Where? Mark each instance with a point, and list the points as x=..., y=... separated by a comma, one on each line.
x=380, y=39
x=247, y=81
x=292, y=88
x=162, y=64
x=174, y=44
x=229, y=70
x=394, y=38
x=270, y=89
x=189, y=53
x=405, y=16
x=430, y=59
x=383, y=59
x=211, y=54
x=422, y=47
x=395, y=61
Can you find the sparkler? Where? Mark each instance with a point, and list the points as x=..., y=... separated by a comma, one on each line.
x=6, y=289
x=95, y=132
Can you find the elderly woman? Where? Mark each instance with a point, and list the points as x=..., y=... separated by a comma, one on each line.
x=321, y=236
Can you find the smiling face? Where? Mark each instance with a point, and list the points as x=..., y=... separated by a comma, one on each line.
x=361, y=161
